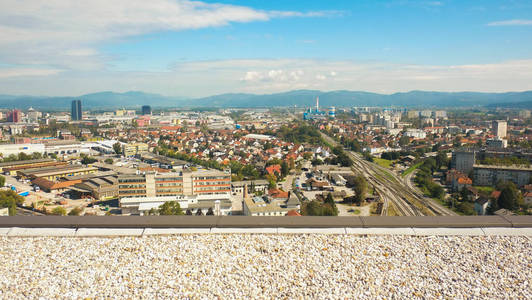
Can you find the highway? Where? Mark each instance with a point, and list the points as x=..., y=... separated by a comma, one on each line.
x=405, y=199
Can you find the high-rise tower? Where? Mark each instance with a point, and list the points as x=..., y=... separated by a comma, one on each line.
x=146, y=110
x=76, y=111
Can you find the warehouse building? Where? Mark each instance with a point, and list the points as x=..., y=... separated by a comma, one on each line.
x=55, y=173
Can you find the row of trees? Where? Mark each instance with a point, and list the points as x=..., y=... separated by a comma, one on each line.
x=21, y=156
x=341, y=157
x=505, y=161
x=424, y=176
x=165, y=151
x=317, y=208
x=351, y=144
x=360, y=187
x=302, y=133
x=61, y=211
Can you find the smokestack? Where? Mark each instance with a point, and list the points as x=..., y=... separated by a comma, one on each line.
x=318, y=103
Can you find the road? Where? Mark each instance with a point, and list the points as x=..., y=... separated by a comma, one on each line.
x=405, y=199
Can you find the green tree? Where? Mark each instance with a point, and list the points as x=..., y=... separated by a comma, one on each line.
x=23, y=156
x=464, y=194
x=360, y=187
x=170, y=208
x=10, y=199
x=88, y=160
x=76, y=211
x=509, y=197
x=404, y=140
x=117, y=147
x=2, y=181
x=58, y=211
x=329, y=207
x=329, y=210
x=329, y=199
x=108, y=161
x=284, y=168
x=313, y=208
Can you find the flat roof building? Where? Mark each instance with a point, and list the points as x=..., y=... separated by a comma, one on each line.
x=268, y=206
x=490, y=175
x=207, y=185
x=134, y=149
x=55, y=173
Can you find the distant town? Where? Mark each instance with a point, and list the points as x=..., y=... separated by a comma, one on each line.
x=283, y=161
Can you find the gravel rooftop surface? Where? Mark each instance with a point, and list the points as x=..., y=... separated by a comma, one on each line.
x=238, y=266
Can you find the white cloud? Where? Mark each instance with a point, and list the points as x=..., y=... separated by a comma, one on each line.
x=25, y=72
x=203, y=78
x=66, y=33
x=511, y=23
x=278, y=75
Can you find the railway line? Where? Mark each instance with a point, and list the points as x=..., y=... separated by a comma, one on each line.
x=405, y=198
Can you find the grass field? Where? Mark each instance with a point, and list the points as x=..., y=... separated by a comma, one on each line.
x=383, y=162
x=411, y=169
x=485, y=189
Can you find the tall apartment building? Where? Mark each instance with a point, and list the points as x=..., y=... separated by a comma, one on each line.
x=500, y=128
x=139, y=193
x=524, y=114
x=463, y=160
x=14, y=116
x=146, y=110
x=75, y=114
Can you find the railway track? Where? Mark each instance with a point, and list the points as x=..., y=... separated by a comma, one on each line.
x=389, y=193
x=407, y=200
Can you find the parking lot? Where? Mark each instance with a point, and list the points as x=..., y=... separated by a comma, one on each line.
x=48, y=200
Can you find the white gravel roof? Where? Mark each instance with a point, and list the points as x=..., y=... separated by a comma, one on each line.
x=240, y=266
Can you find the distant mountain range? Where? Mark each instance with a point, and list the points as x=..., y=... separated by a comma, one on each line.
x=300, y=98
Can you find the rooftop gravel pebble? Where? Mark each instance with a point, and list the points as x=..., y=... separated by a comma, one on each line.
x=239, y=266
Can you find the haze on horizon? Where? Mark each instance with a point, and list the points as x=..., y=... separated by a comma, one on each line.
x=202, y=48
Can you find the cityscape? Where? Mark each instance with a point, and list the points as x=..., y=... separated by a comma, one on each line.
x=358, y=161
x=229, y=150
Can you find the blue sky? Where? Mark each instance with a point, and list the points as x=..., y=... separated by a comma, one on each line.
x=193, y=49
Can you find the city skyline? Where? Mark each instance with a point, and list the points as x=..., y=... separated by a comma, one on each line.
x=194, y=49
